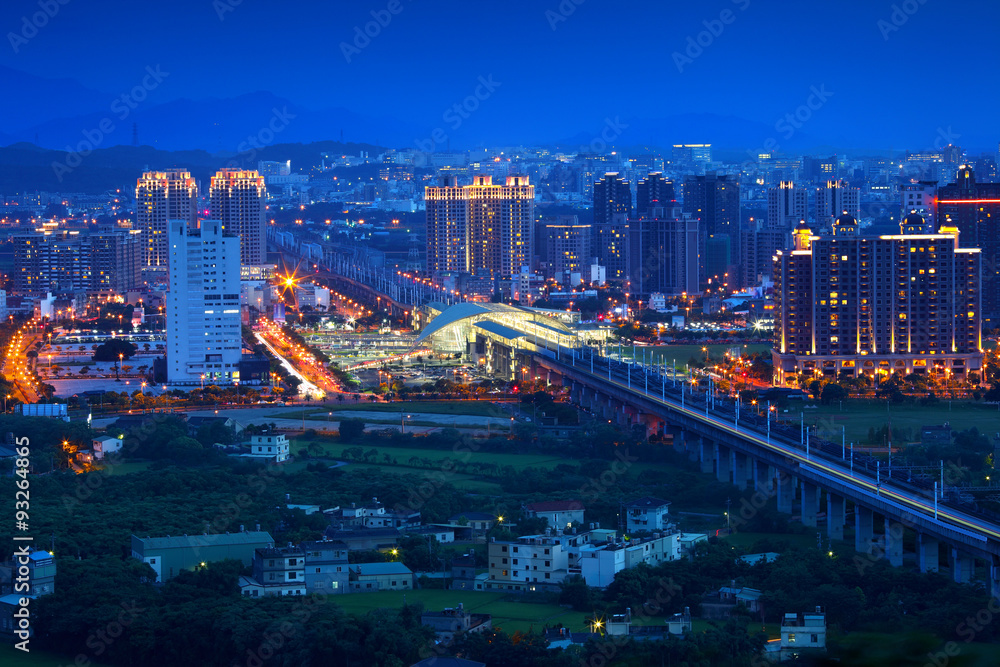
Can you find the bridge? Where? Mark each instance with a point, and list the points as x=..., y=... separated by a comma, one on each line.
x=765, y=460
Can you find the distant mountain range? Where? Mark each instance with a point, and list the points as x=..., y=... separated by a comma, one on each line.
x=224, y=128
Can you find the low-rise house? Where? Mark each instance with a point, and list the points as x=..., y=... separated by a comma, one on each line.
x=104, y=446
x=373, y=515
x=276, y=571
x=647, y=514
x=444, y=534
x=748, y=597
x=326, y=567
x=450, y=622
x=41, y=580
x=309, y=568
x=169, y=555
x=270, y=446
x=364, y=539
x=372, y=577
x=688, y=540
x=558, y=513
x=680, y=623
x=801, y=631
x=478, y=521
x=463, y=571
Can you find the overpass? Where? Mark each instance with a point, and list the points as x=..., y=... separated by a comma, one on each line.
x=766, y=460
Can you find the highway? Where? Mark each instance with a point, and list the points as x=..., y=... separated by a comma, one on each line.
x=820, y=459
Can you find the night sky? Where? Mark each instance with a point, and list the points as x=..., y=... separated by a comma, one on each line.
x=895, y=83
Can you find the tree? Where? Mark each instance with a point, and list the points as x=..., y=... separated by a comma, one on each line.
x=110, y=350
x=576, y=593
x=351, y=429
x=832, y=392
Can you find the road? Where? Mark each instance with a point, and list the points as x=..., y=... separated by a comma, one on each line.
x=15, y=366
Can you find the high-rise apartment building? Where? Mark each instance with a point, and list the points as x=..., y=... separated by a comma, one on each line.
x=64, y=262
x=611, y=242
x=447, y=209
x=715, y=200
x=835, y=199
x=612, y=196
x=203, y=304
x=919, y=197
x=500, y=219
x=758, y=247
x=877, y=305
x=663, y=253
x=654, y=191
x=786, y=206
x=237, y=200
x=161, y=196
x=974, y=209
x=567, y=247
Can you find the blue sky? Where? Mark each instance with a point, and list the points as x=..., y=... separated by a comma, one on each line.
x=896, y=71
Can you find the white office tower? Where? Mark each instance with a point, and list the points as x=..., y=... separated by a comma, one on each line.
x=203, y=305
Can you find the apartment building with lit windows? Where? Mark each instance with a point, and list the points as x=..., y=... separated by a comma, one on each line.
x=162, y=196
x=237, y=199
x=480, y=227
x=877, y=305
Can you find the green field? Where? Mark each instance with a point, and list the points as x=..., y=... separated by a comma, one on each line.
x=859, y=415
x=436, y=456
x=474, y=408
x=508, y=613
x=682, y=353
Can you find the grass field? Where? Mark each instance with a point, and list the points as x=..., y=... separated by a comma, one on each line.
x=681, y=353
x=508, y=613
x=858, y=416
x=436, y=456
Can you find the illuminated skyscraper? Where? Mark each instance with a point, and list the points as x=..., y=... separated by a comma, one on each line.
x=480, y=227
x=237, y=201
x=447, y=226
x=500, y=219
x=162, y=196
x=877, y=305
x=612, y=196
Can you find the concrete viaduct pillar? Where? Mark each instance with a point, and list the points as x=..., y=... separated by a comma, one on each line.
x=722, y=463
x=963, y=566
x=810, y=504
x=894, y=542
x=863, y=529
x=786, y=493
x=928, y=553
x=741, y=468
x=836, y=511
x=705, y=455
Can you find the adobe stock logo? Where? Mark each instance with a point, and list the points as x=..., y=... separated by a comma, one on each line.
x=30, y=25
